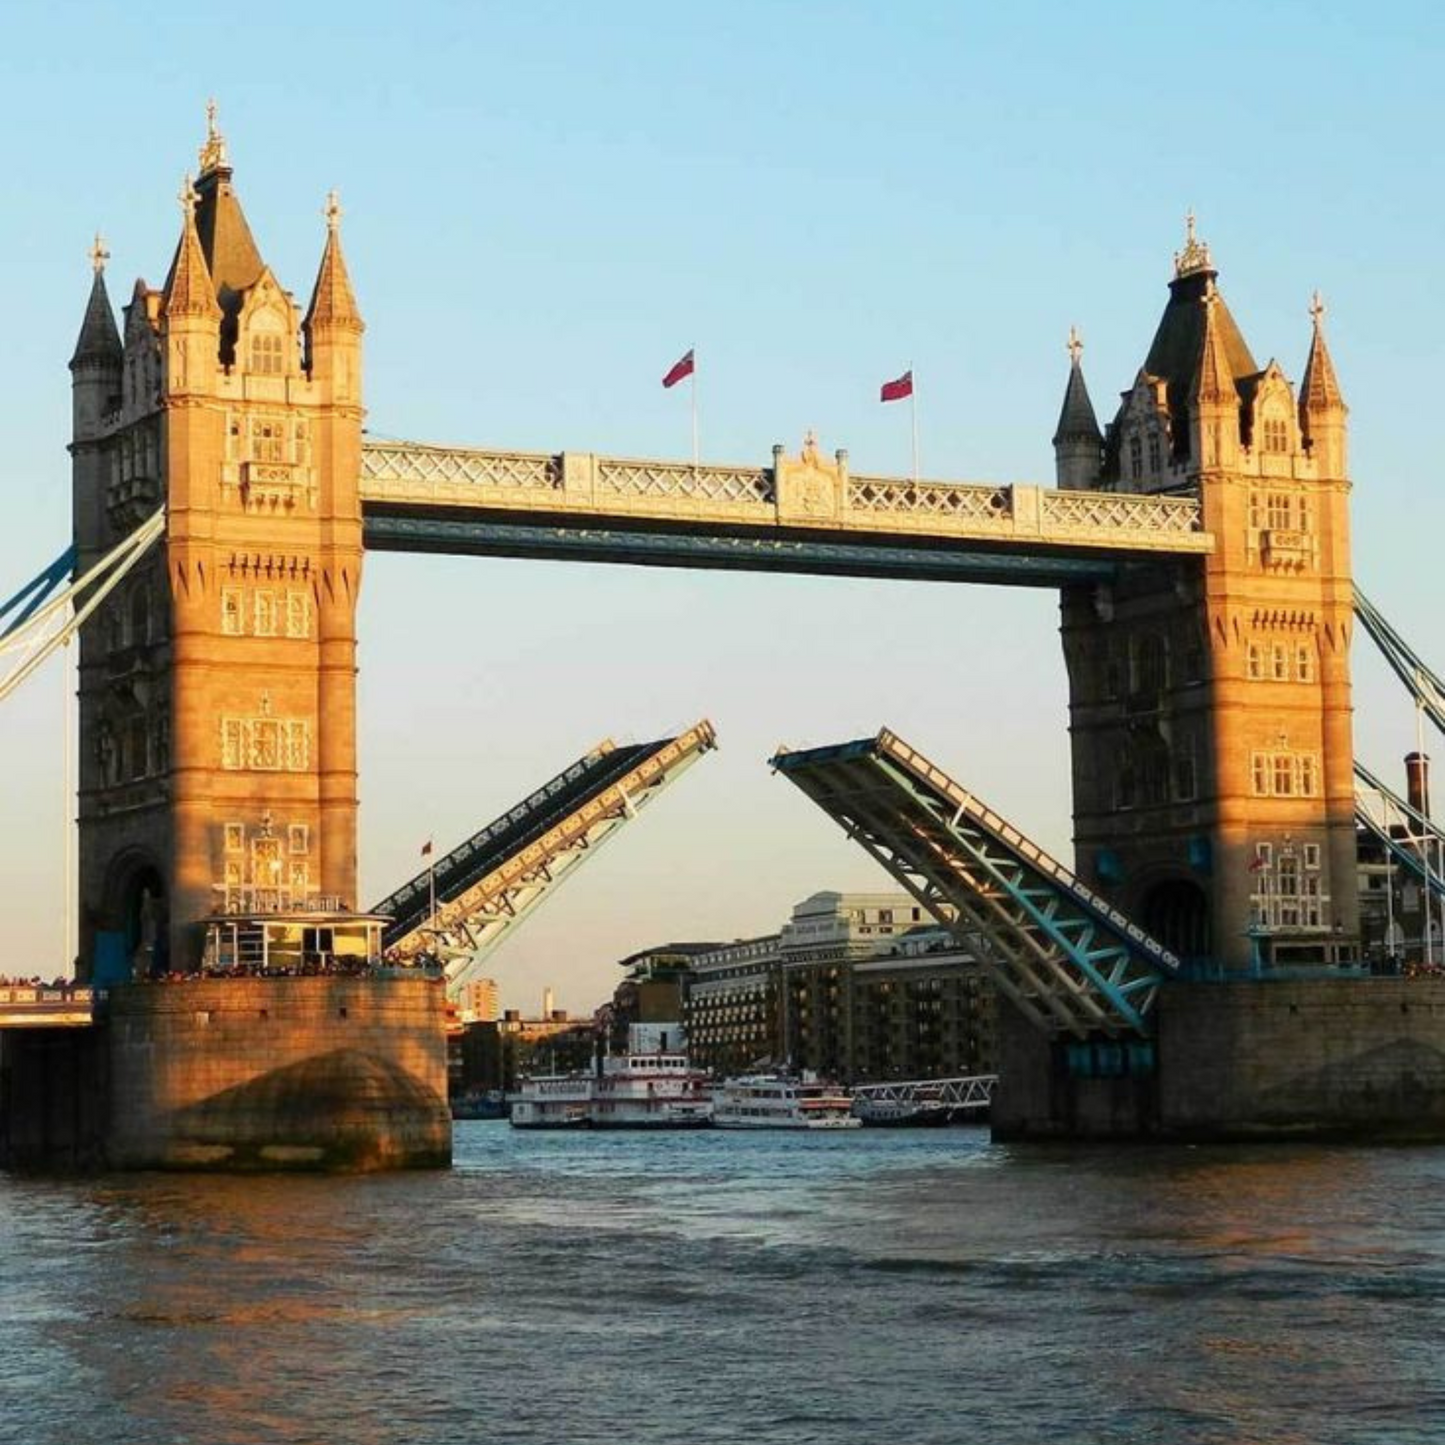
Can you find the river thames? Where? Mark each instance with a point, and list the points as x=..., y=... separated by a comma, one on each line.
x=877, y=1286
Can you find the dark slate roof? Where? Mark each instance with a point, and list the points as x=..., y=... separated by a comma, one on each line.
x=1076, y=417
x=99, y=339
x=226, y=242
x=1178, y=342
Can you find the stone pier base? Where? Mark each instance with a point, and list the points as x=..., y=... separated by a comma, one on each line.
x=325, y=1073
x=1266, y=1058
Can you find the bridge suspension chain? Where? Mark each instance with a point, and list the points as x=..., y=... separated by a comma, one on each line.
x=1423, y=683
x=45, y=619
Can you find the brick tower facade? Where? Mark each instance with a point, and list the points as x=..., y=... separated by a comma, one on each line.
x=217, y=685
x=1210, y=702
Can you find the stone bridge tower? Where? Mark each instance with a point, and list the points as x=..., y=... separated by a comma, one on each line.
x=217, y=687
x=1210, y=702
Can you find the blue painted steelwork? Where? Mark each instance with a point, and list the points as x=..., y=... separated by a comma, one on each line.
x=388, y=530
x=1424, y=685
x=33, y=594
x=1072, y=962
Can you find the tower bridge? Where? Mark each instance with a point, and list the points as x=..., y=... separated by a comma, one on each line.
x=1199, y=543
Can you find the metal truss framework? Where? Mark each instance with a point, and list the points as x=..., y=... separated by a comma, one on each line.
x=973, y=1092
x=486, y=887
x=1424, y=685
x=1411, y=838
x=797, y=517
x=1071, y=962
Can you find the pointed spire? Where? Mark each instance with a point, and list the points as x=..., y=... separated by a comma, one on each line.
x=99, y=338
x=1213, y=376
x=213, y=152
x=188, y=288
x=1320, y=389
x=1195, y=255
x=1077, y=421
x=333, y=303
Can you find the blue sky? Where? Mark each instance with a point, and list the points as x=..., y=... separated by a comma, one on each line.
x=546, y=204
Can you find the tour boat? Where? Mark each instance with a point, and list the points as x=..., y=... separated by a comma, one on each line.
x=775, y=1101
x=654, y=1090
x=926, y=1109
x=552, y=1101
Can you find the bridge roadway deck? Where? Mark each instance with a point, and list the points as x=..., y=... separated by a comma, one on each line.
x=795, y=516
x=33, y=1006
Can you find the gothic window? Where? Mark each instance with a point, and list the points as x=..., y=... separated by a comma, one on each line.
x=298, y=745
x=1284, y=775
x=1312, y=855
x=300, y=880
x=1185, y=783
x=140, y=622
x=1256, y=511
x=266, y=613
x=1136, y=457
x=232, y=622
x=1154, y=456
x=1305, y=662
x=298, y=838
x=1308, y=781
x=298, y=614
x=235, y=835
x=1276, y=434
x=1150, y=665
x=1279, y=511
x=267, y=354
x=1254, y=661
x=1279, y=662
x=266, y=744
x=268, y=441
x=266, y=862
x=233, y=743
x=1261, y=774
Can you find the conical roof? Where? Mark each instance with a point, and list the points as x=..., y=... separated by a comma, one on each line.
x=189, y=291
x=1215, y=380
x=99, y=338
x=1077, y=421
x=1320, y=389
x=333, y=303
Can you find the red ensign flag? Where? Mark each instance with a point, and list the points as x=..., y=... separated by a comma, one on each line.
x=897, y=390
x=680, y=369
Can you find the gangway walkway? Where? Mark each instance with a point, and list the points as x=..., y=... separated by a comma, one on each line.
x=1070, y=961
x=457, y=911
x=971, y=1094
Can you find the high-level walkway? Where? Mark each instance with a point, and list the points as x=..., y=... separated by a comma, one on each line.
x=1071, y=962
x=794, y=516
x=458, y=910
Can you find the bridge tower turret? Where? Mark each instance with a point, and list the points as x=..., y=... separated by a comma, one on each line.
x=218, y=766
x=1210, y=701
x=1078, y=442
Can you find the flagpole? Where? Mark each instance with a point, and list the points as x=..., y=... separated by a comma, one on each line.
x=693, y=379
x=913, y=414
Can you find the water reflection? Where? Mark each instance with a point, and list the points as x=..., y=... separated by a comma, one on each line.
x=714, y=1287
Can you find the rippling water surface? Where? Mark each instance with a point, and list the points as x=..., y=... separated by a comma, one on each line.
x=872, y=1287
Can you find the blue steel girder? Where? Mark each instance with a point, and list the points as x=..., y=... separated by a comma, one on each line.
x=1069, y=960
x=392, y=530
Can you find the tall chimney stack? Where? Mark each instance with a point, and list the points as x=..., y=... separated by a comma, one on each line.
x=1417, y=782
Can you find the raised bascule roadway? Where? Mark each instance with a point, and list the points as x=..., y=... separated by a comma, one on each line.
x=225, y=492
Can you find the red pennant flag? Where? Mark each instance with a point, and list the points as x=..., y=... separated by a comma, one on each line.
x=680, y=369
x=898, y=390
x=426, y=849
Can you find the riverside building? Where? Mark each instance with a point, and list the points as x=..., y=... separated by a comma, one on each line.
x=857, y=986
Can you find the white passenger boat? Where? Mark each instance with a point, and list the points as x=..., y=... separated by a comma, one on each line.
x=552, y=1101
x=776, y=1101
x=658, y=1090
